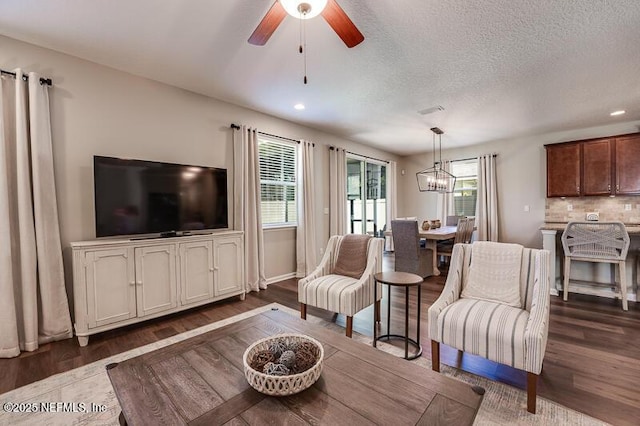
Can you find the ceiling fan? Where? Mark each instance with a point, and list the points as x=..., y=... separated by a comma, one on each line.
x=306, y=9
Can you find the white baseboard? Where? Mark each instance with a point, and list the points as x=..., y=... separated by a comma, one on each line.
x=281, y=278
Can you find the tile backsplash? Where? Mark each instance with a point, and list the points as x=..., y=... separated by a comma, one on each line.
x=610, y=208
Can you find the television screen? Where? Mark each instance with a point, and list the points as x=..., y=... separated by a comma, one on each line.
x=144, y=197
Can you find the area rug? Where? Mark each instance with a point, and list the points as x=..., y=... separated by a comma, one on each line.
x=84, y=396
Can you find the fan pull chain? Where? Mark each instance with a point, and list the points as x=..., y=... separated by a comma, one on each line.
x=302, y=48
x=304, y=38
x=300, y=33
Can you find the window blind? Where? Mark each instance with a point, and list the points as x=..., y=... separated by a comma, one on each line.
x=466, y=190
x=278, y=182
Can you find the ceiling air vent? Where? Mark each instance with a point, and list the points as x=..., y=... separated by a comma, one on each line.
x=431, y=110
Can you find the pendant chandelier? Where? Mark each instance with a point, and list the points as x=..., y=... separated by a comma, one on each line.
x=435, y=178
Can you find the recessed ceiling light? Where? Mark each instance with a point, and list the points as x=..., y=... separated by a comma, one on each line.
x=299, y=107
x=619, y=112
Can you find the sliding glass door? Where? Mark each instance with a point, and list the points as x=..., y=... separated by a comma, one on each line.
x=366, y=196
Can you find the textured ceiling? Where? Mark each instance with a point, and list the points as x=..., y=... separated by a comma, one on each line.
x=501, y=68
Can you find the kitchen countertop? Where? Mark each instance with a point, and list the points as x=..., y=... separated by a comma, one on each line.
x=632, y=228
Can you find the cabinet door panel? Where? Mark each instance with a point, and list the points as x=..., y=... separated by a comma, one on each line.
x=227, y=265
x=156, y=280
x=628, y=165
x=196, y=272
x=563, y=170
x=111, y=293
x=596, y=167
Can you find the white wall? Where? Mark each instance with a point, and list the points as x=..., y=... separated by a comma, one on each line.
x=521, y=169
x=97, y=110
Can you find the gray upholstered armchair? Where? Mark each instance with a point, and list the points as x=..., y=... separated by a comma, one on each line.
x=343, y=282
x=409, y=256
x=511, y=331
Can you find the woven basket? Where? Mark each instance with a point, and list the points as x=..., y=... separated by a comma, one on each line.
x=282, y=385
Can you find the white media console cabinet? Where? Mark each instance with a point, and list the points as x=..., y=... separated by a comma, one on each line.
x=117, y=282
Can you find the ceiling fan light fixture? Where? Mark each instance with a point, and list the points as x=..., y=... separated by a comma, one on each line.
x=304, y=9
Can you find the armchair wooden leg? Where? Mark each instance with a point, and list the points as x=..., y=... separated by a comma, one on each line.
x=303, y=311
x=376, y=310
x=532, y=382
x=349, y=326
x=435, y=356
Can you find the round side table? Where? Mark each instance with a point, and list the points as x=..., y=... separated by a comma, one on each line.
x=406, y=280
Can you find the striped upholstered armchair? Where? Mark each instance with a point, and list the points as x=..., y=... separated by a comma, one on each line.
x=343, y=282
x=511, y=330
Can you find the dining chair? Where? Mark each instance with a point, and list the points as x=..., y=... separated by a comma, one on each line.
x=464, y=231
x=409, y=255
x=453, y=220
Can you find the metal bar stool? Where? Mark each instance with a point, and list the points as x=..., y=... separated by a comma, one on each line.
x=596, y=242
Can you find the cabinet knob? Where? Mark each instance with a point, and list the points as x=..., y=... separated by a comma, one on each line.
x=210, y=269
x=139, y=283
x=132, y=283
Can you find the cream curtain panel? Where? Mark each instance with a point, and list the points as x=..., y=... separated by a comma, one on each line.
x=487, y=203
x=445, y=202
x=33, y=302
x=247, y=209
x=392, y=197
x=337, y=191
x=306, y=232
x=392, y=192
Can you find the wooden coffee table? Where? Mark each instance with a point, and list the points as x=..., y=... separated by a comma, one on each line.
x=200, y=381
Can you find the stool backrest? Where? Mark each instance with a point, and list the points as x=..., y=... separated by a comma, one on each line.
x=596, y=240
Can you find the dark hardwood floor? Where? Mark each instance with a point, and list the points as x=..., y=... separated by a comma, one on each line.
x=592, y=363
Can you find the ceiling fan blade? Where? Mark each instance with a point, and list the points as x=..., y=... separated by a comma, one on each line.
x=341, y=24
x=268, y=25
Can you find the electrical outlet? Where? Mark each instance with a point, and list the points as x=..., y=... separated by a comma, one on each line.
x=321, y=250
x=627, y=207
x=526, y=208
x=569, y=207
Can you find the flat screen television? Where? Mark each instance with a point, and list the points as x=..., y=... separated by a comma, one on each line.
x=148, y=197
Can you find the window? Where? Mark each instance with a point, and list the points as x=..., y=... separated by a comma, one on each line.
x=366, y=195
x=277, y=182
x=465, y=192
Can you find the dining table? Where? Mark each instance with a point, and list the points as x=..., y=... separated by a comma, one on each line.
x=432, y=236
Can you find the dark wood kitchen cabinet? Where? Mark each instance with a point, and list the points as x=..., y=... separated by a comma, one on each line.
x=627, y=160
x=563, y=170
x=603, y=166
x=597, y=167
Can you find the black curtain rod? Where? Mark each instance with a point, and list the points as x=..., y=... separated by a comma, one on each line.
x=331, y=148
x=25, y=77
x=473, y=158
x=236, y=127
